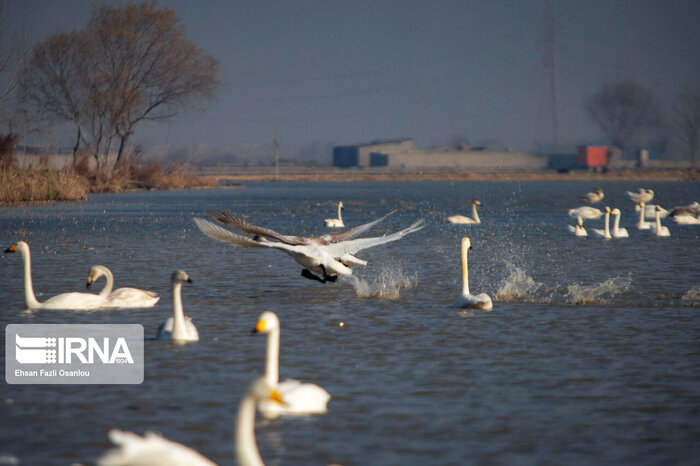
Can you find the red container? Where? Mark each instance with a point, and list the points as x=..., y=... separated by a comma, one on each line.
x=592, y=156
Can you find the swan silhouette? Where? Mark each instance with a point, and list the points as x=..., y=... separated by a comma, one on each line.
x=121, y=298
x=482, y=301
x=178, y=327
x=299, y=398
x=461, y=219
x=62, y=302
x=324, y=258
x=618, y=232
x=335, y=222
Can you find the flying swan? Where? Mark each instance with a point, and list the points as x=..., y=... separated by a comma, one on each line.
x=604, y=233
x=336, y=222
x=618, y=232
x=593, y=197
x=121, y=298
x=462, y=219
x=62, y=302
x=482, y=301
x=299, y=398
x=578, y=230
x=155, y=450
x=324, y=258
x=178, y=327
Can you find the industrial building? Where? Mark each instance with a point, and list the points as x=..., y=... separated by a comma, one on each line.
x=401, y=154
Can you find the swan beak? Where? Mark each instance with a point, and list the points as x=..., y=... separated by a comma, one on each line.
x=11, y=248
x=276, y=396
x=259, y=327
x=87, y=285
x=189, y=280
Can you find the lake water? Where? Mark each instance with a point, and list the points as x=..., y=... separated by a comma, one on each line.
x=590, y=355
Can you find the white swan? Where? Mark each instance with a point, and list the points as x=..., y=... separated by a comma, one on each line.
x=482, y=301
x=594, y=197
x=336, y=222
x=605, y=233
x=299, y=398
x=578, y=230
x=686, y=215
x=324, y=258
x=657, y=228
x=642, y=224
x=461, y=219
x=122, y=298
x=62, y=302
x=178, y=327
x=618, y=232
x=642, y=195
x=586, y=212
x=155, y=450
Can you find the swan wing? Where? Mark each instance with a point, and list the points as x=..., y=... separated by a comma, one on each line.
x=352, y=233
x=337, y=250
x=300, y=399
x=151, y=449
x=132, y=298
x=240, y=224
x=75, y=302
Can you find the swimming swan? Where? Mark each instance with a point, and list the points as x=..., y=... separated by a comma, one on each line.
x=155, y=450
x=594, y=197
x=642, y=224
x=586, y=212
x=618, y=232
x=335, y=222
x=657, y=228
x=482, y=301
x=642, y=195
x=324, y=258
x=605, y=233
x=122, y=298
x=299, y=398
x=62, y=302
x=178, y=327
x=462, y=219
x=578, y=230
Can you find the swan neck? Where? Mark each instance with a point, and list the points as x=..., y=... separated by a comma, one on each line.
x=246, y=449
x=607, y=224
x=616, y=226
x=178, y=313
x=340, y=208
x=658, y=221
x=641, y=215
x=465, y=271
x=29, y=298
x=272, y=357
x=476, y=215
x=109, y=282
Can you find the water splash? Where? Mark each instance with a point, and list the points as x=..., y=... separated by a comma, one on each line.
x=386, y=285
x=582, y=294
x=517, y=285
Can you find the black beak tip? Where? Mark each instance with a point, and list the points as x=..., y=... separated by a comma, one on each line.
x=253, y=331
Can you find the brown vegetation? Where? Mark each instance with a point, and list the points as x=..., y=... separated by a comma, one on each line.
x=40, y=184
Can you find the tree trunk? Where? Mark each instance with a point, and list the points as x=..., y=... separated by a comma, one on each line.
x=75, y=148
x=122, y=145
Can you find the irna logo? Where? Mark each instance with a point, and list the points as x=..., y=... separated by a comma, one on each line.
x=61, y=350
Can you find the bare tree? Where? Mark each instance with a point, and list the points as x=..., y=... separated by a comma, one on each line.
x=13, y=50
x=686, y=119
x=151, y=68
x=622, y=109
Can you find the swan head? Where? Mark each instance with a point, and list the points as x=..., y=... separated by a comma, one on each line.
x=261, y=390
x=267, y=322
x=598, y=190
x=615, y=211
x=650, y=192
x=180, y=276
x=19, y=247
x=579, y=222
x=96, y=271
x=466, y=243
x=476, y=202
x=340, y=204
x=607, y=209
x=657, y=208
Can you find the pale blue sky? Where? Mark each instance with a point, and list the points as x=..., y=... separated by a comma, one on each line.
x=344, y=71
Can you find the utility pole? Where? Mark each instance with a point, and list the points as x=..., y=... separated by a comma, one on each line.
x=277, y=155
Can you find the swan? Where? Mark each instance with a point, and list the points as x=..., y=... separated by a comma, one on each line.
x=686, y=215
x=642, y=195
x=618, y=232
x=686, y=219
x=605, y=233
x=123, y=298
x=324, y=258
x=482, y=301
x=650, y=210
x=586, y=212
x=657, y=228
x=178, y=327
x=62, y=302
x=335, y=222
x=578, y=230
x=299, y=398
x=642, y=224
x=462, y=219
x=155, y=450
x=593, y=197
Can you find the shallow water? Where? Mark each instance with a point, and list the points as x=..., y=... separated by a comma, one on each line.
x=590, y=354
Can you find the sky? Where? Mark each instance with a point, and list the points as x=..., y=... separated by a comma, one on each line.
x=352, y=71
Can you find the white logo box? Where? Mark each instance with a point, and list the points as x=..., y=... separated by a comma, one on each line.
x=74, y=354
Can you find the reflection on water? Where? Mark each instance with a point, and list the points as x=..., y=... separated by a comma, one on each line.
x=589, y=355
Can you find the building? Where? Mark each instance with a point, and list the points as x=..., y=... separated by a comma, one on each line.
x=402, y=154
